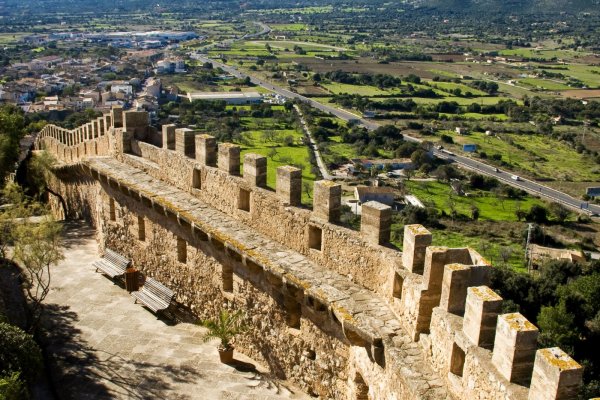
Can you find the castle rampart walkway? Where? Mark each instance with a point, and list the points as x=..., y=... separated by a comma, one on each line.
x=365, y=319
x=107, y=347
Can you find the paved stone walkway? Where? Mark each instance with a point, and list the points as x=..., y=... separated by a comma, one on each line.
x=104, y=346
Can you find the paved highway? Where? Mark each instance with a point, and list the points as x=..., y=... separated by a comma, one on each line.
x=466, y=162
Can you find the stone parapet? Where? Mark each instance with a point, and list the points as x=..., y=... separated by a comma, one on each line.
x=185, y=142
x=206, y=150
x=514, y=347
x=376, y=222
x=289, y=185
x=416, y=240
x=168, y=136
x=255, y=170
x=483, y=306
x=116, y=117
x=327, y=200
x=555, y=376
x=229, y=158
x=346, y=311
x=388, y=310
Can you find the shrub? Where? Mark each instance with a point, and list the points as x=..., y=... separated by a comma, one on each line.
x=12, y=388
x=19, y=352
x=537, y=214
x=447, y=139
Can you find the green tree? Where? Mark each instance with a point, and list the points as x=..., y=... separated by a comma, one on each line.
x=537, y=214
x=560, y=212
x=37, y=248
x=12, y=126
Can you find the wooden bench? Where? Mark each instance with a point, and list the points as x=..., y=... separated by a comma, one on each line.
x=112, y=264
x=154, y=295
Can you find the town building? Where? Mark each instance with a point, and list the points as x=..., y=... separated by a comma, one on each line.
x=237, y=98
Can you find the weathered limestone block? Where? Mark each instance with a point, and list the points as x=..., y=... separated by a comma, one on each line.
x=514, y=347
x=327, y=200
x=168, y=136
x=376, y=222
x=184, y=142
x=116, y=116
x=229, y=158
x=101, y=127
x=136, y=122
x=481, y=313
x=108, y=121
x=289, y=185
x=124, y=139
x=206, y=150
x=454, y=288
x=416, y=240
x=255, y=169
x=555, y=376
x=94, y=132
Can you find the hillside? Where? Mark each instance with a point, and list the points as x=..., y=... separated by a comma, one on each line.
x=513, y=6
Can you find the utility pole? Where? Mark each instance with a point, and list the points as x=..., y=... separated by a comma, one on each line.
x=527, y=247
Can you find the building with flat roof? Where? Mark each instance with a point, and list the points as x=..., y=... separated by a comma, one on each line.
x=382, y=194
x=239, y=98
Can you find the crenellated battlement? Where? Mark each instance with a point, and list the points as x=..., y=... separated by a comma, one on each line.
x=347, y=307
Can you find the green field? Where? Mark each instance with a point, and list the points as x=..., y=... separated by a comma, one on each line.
x=12, y=38
x=490, y=248
x=363, y=90
x=585, y=73
x=289, y=27
x=490, y=207
x=337, y=148
x=539, y=156
x=543, y=54
x=544, y=84
x=254, y=142
x=447, y=86
x=463, y=101
x=299, y=10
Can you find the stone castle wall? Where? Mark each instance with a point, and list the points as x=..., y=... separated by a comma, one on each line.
x=333, y=309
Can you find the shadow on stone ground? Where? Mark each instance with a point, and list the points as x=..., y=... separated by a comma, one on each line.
x=99, y=345
x=79, y=371
x=76, y=233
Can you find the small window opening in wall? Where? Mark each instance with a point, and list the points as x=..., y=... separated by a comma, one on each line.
x=361, y=388
x=111, y=210
x=315, y=237
x=398, y=282
x=197, y=179
x=181, y=250
x=244, y=200
x=227, y=277
x=293, y=313
x=457, y=360
x=141, y=228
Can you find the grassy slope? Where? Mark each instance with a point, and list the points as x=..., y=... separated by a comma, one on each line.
x=490, y=207
x=543, y=156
